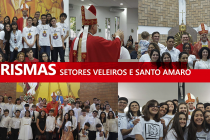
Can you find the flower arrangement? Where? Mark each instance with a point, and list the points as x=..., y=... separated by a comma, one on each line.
x=27, y=95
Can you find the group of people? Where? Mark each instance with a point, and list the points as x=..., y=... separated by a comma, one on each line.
x=45, y=37
x=168, y=120
x=195, y=57
x=77, y=120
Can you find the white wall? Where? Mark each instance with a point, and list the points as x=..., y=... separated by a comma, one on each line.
x=101, y=14
x=143, y=92
x=132, y=23
x=67, y=21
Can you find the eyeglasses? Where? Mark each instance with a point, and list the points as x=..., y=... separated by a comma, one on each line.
x=123, y=103
x=44, y=56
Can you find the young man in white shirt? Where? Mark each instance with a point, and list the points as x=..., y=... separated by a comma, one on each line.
x=29, y=36
x=22, y=113
x=9, y=106
x=30, y=102
x=2, y=104
x=93, y=106
x=72, y=105
x=14, y=126
x=88, y=113
x=4, y=125
x=65, y=27
x=43, y=36
x=171, y=49
x=37, y=15
x=156, y=38
x=98, y=109
x=77, y=110
x=50, y=125
x=34, y=114
x=66, y=107
x=82, y=119
x=57, y=41
x=93, y=121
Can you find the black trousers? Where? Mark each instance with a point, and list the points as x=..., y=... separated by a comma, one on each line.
x=14, y=134
x=34, y=130
x=58, y=135
x=75, y=134
x=49, y=135
x=55, y=52
x=3, y=133
x=92, y=135
x=113, y=136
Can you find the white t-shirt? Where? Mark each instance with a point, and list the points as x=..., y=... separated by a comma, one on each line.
x=122, y=124
x=161, y=46
x=174, y=53
x=199, y=135
x=171, y=135
x=82, y=120
x=44, y=33
x=202, y=64
x=29, y=34
x=191, y=58
x=65, y=28
x=2, y=35
x=149, y=129
x=167, y=118
x=145, y=58
x=56, y=34
x=124, y=53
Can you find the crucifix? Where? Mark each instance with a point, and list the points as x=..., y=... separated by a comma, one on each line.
x=181, y=92
x=182, y=17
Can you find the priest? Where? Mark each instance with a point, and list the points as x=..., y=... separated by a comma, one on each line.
x=88, y=48
x=204, y=42
x=184, y=39
x=22, y=22
x=53, y=104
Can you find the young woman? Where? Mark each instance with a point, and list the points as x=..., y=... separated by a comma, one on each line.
x=104, y=123
x=49, y=16
x=74, y=122
x=14, y=19
x=44, y=58
x=183, y=61
x=41, y=124
x=20, y=57
x=171, y=111
x=6, y=20
x=166, y=61
x=178, y=128
x=204, y=62
x=15, y=41
x=44, y=101
x=146, y=57
x=58, y=124
x=155, y=60
x=67, y=128
x=25, y=129
x=191, y=58
x=17, y=106
x=130, y=39
x=196, y=129
x=150, y=119
x=132, y=115
x=182, y=107
x=2, y=59
x=7, y=30
x=35, y=22
x=163, y=111
x=112, y=124
x=102, y=107
x=207, y=119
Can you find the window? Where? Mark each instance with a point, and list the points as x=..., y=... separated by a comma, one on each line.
x=117, y=23
x=107, y=29
x=72, y=27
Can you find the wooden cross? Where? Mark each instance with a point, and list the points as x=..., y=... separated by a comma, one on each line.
x=182, y=15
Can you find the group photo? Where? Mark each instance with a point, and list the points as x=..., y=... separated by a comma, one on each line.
x=58, y=111
x=169, y=111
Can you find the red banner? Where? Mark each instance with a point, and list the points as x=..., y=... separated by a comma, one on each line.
x=96, y=72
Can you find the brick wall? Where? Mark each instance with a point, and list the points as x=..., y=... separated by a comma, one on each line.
x=10, y=89
x=197, y=12
x=103, y=91
x=162, y=13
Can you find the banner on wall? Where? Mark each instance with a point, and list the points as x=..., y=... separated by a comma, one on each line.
x=11, y=8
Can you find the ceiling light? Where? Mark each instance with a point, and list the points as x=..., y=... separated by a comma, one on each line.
x=90, y=4
x=121, y=3
x=82, y=0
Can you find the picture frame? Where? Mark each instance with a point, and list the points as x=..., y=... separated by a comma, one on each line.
x=132, y=30
x=99, y=30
